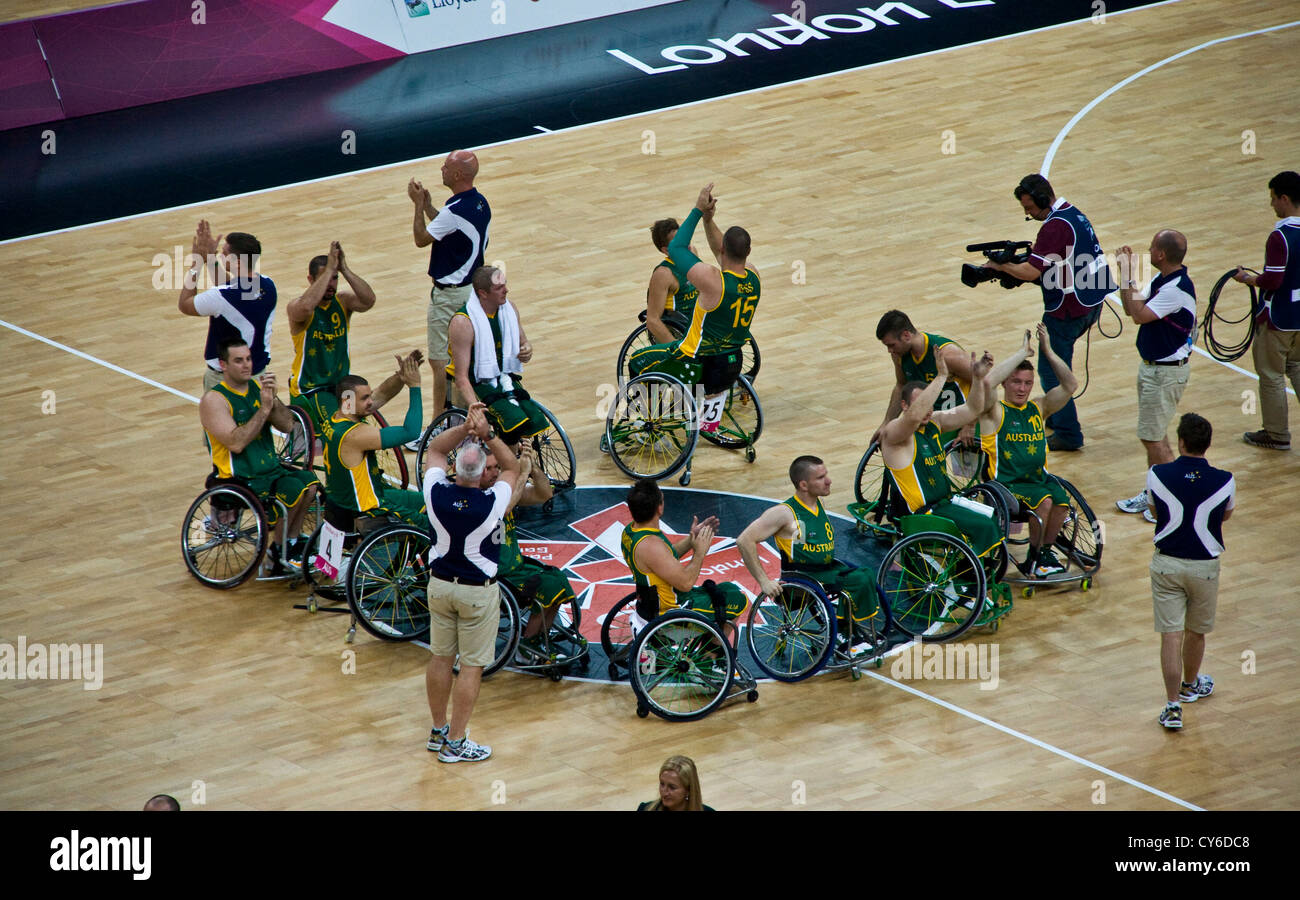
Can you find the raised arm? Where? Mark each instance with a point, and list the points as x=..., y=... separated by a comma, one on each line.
x=968, y=412
x=300, y=310
x=393, y=384
x=362, y=297
x=1060, y=395
x=704, y=276
x=711, y=230
x=420, y=197
x=203, y=249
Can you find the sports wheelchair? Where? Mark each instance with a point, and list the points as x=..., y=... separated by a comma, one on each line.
x=226, y=530
x=806, y=629
x=640, y=338
x=384, y=580
x=934, y=584
x=680, y=664
x=552, y=448
x=653, y=425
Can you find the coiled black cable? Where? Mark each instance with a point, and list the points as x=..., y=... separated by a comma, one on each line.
x=1219, y=350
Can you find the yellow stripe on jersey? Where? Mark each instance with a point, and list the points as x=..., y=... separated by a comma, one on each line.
x=695, y=332
x=221, y=456
x=663, y=590
x=908, y=484
x=295, y=371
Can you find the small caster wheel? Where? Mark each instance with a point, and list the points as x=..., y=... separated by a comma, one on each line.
x=855, y=674
x=604, y=443
x=613, y=672
x=879, y=662
x=752, y=696
x=549, y=506
x=685, y=479
x=1085, y=584
x=311, y=604
x=750, y=454
x=642, y=711
x=1027, y=592
x=995, y=625
x=554, y=674
x=352, y=632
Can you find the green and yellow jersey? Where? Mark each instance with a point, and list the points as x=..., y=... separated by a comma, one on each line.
x=259, y=457
x=813, y=541
x=1018, y=450
x=320, y=351
x=359, y=487
x=662, y=589
x=925, y=479
x=682, y=302
x=725, y=328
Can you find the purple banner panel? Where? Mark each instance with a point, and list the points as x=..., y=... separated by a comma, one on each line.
x=145, y=52
x=26, y=91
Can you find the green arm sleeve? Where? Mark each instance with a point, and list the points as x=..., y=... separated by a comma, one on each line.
x=679, y=248
x=409, y=430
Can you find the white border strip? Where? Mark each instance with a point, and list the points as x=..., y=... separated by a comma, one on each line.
x=529, y=137
x=107, y=365
x=1037, y=743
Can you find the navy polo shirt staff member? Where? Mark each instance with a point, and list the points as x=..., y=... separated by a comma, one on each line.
x=1191, y=500
x=459, y=235
x=464, y=603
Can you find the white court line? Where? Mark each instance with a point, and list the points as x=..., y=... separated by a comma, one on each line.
x=1035, y=741
x=98, y=361
x=1060, y=137
x=529, y=137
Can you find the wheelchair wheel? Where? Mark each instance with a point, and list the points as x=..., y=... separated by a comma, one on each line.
x=682, y=666
x=387, y=583
x=1080, y=538
x=617, y=632
x=751, y=360
x=508, y=630
x=561, y=648
x=874, y=486
x=742, y=418
x=965, y=465
x=449, y=419
x=989, y=496
x=639, y=339
x=392, y=462
x=933, y=584
x=791, y=636
x=224, y=536
x=296, y=449
x=555, y=453
x=652, y=426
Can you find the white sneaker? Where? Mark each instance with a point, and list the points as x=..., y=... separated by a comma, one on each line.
x=465, y=751
x=413, y=446
x=1133, y=505
x=1146, y=514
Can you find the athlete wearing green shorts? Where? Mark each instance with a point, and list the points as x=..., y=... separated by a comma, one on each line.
x=353, y=479
x=236, y=416
x=318, y=326
x=656, y=564
x=710, y=353
x=514, y=413
x=1015, y=446
x=805, y=539
x=913, y=451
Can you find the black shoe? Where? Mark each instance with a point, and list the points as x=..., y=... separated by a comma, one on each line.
x=1058, y=444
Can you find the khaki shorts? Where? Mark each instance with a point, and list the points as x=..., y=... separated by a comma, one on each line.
x=443, y=303
x=463, y=619
x=1184, y=593
x=210, y=378
x=1159, y=390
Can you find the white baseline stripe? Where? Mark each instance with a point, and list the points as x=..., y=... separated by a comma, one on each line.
x=1037, y=743
x=529, y=137
x=1060, y=137
x=98, y=361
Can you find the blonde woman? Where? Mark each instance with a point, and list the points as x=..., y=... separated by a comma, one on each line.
x=679, y=788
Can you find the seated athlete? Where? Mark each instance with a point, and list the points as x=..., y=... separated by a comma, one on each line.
x=236, y=416
x=805, y=539
x=319, y=322
x=488, y=348
x=711, y=351
x=913, y=353
x=669, y=290
x=354, y=481
x=661, y=578
x=1015, y=445
x=552, y=586
x=914, y=454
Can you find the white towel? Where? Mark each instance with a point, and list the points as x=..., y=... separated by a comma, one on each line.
x=487, y=368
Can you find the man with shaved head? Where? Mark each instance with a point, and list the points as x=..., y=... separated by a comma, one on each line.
x=459, y=235
x=1166, y=319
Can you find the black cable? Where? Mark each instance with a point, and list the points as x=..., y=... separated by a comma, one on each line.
x=1221, y=351
x=1087, y=347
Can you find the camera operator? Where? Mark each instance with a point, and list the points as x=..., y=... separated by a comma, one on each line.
x=1071, y=269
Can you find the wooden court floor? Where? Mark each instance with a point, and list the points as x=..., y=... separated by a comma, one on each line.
x=854, y=209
